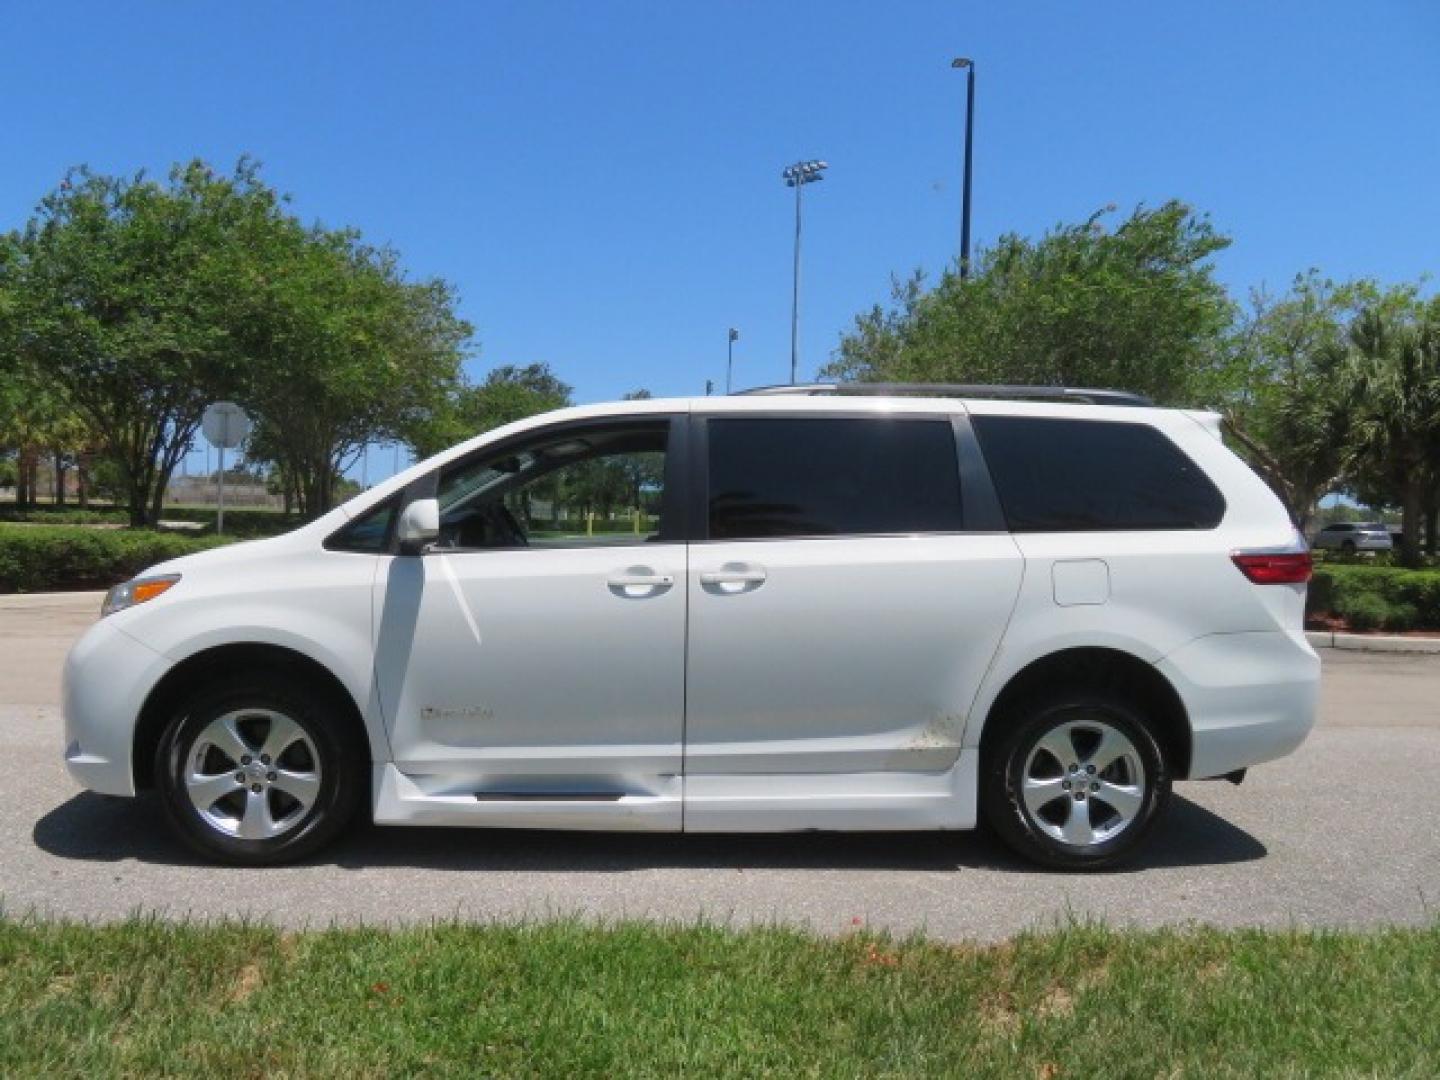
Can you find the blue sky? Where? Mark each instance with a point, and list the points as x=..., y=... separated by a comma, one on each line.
x=601, y=180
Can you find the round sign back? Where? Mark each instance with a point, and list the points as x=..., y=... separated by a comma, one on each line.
x=225, y=425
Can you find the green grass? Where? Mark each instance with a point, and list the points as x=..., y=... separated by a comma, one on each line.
x=568, y=999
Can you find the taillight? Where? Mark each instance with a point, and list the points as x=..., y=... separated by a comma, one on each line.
x=1275, y=568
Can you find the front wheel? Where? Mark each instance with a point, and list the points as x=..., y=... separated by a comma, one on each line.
x=1075, y=783
x=255, y=775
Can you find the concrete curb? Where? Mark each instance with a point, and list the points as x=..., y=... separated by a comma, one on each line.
x=1324, y=639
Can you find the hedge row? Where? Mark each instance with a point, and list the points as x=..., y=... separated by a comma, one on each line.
x=55, y=557
x=46, y=514
x=1377, y=597
x=246, y=522
x=1367, y=558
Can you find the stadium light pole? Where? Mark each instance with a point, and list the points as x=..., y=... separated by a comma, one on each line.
x=969, y=67
x=797, y=176
x=730, y=340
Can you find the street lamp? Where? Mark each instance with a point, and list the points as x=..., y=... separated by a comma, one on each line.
x=730, y=340
x=969, y=66
x=797, y=176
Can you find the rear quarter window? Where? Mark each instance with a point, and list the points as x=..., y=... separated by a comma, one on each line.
x=1060, y=475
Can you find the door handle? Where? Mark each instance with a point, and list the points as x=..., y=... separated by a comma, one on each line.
x=641, y=581
x=732, y=577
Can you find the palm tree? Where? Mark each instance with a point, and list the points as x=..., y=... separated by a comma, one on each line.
x=1395, y=368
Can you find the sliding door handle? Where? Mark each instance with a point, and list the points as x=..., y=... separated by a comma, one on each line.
x=753, y=576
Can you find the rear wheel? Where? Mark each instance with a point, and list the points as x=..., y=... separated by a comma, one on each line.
x=1348, y=547
x=257, y=775
x=1075, y=782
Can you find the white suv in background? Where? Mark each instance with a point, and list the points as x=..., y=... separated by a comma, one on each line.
x=820, y=608
x=1353, y=536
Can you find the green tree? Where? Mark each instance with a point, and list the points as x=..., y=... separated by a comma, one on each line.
x=507, y=394
x=38, y=423
x=343, y=351
x=644, y=474
x=1395, y=366
x=142, y=302
x=1292, y=403
x=118, y=289
x=1135, y=307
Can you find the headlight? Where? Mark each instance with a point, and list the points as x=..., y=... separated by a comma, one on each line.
x=136, y=592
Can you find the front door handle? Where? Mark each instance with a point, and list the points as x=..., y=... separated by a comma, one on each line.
x=641, y=581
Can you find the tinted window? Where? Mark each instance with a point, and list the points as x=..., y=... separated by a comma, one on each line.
x=831, y=477
x=1082, y=475
x=370, y=533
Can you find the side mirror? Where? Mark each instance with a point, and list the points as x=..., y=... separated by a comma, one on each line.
x=419, y=525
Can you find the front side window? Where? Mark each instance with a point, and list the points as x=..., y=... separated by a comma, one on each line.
x=791, y=476
x=584, y=487
x=1058, y=475
x=369, y=534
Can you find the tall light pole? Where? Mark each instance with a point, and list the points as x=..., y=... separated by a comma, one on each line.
x=730, y=340
x=969, y=66
x=797, y=176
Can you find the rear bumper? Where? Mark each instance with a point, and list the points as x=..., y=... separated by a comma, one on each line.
x=1251, y=697
x=108, y=676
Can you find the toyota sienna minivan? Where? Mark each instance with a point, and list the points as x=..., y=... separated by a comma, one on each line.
x=825, y=607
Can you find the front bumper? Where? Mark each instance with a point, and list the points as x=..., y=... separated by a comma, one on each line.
x=1251, y=697
x=108, y=676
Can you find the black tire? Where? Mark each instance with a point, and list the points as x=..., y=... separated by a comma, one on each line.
x=1004, y=763
x=1347, y=547
x=329, y=743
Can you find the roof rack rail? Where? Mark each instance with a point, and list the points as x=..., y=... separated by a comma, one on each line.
x=965, y=390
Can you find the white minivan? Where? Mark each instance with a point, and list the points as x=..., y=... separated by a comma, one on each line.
x=824, y=607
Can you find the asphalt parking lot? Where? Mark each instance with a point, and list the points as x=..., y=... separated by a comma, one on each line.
x=1346, y=832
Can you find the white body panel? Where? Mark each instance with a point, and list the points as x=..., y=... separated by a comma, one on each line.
x=535, y=671
x=1251, y=697
x=108, y=675
x=854, y=658
x=846, y=684
x=852, y=802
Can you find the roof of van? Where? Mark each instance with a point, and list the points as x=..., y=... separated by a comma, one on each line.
x=989, y=391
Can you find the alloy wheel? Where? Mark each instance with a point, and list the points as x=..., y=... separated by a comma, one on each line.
x=1083, y=783
x=252, y=774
